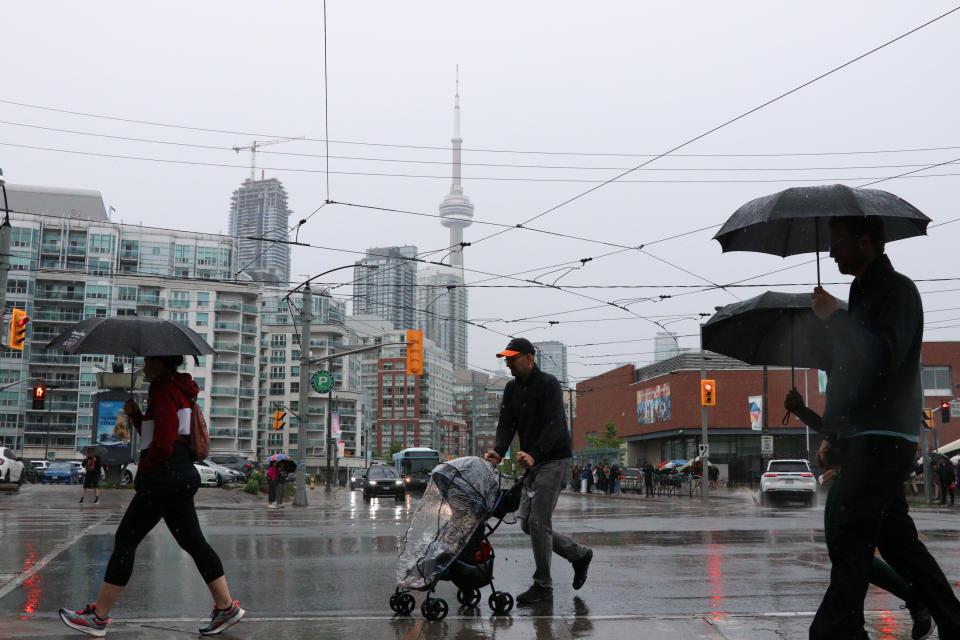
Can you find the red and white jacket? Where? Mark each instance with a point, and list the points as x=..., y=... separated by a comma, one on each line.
x=167, y=417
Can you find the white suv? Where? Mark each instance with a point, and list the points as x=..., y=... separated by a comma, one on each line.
x=788, y=480
x=11, y=467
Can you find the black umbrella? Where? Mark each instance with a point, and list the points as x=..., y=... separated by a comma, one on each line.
x=773, y=328
x=130, y=336
x=796, y=220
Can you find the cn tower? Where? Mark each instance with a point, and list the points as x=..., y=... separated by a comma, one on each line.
x=456, y=210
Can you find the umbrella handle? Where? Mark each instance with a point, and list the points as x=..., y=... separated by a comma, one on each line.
x=786, y=419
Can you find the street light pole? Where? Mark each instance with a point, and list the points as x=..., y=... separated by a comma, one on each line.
x=330, y=440
x=705, y=457
x=306, y=315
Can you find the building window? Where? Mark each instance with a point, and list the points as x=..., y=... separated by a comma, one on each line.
x=276, y=388
x=294, y=387
x=203, y=299
x=937, y=381
x=179, y=298
x=278, y=340
x=202, y=319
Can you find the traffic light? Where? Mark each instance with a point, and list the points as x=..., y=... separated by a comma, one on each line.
x=944, y=412
x=39, y=397
x=18, y=329
x=414, y=353
x=928, y=418
x=278, y=416
x=708, y=393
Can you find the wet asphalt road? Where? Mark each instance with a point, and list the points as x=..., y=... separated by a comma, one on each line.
x=667, y=563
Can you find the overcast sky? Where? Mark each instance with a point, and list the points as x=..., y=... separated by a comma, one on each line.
x=589, y=87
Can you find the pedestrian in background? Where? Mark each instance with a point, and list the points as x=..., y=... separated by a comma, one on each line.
x=947, y=478
x=614, y=479
x=532, y=409
x=281, y=486
x=273, y=477
x=871, y=424
x=585, y=480
x=165, y=485
x=91, y=478
x=648, y=478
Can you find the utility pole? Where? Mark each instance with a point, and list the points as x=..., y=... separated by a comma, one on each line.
x=927, y=472
x=705, y=456
x=306, y=315
x=331, y=443
x=5, y=232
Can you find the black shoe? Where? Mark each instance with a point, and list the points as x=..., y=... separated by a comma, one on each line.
x=81, y=499
x=96, y=500
x=922, y=624
x=535, y=594
x=580, y=569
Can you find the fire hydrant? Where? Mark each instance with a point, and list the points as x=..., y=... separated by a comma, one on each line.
x=313, y=482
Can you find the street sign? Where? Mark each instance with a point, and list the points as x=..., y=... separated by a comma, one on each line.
x=704, y=450
x=51, y=455
x=335, y=424
x=955, y=408
x=766, y=445
x=321, y=381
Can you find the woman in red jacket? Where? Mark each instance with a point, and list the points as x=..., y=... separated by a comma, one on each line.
x=165, y=485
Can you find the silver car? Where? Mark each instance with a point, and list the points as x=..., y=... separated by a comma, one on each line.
x=788, y=480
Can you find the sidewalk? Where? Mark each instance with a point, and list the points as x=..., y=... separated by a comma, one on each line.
x=885, y=625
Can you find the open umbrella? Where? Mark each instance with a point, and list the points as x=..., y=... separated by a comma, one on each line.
x=284, y=462
x=130, y=336
x=773, y=328
x=796, y=220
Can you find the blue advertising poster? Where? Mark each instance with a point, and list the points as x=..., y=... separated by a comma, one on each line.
x=653, y=404
x=113, y=426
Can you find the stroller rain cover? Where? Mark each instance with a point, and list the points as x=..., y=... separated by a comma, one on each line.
x=460, y=497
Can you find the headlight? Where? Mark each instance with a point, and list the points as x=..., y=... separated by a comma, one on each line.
x=406, y=479
x=373, y=482
x=397, y=482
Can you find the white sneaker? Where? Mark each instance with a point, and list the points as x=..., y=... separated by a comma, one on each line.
x=272, y=505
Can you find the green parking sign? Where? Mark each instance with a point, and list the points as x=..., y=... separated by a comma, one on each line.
x=321, y=381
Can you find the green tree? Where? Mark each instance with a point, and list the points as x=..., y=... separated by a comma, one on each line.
x=395, y=447
x=607, y=439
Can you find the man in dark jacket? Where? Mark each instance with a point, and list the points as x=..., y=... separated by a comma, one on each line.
x=871, y=422
x=532, y=409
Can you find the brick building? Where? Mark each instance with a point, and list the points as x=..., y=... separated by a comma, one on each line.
x=656, y=409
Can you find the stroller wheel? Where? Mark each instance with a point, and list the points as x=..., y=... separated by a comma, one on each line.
x=468, y=598
x=405, y=603
x=501, y=602
x=434, y=609
x=393, y=602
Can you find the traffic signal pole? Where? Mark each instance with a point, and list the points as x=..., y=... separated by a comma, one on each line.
x=303, y=410
x=5, y=232
x=705, y=459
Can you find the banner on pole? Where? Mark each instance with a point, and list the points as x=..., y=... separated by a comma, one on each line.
x=756, y=412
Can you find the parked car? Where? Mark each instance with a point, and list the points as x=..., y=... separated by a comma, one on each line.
x=81, y=471
x=788, y=480
x=34, y=469
x=358, y=480
x=242, y=464
x=61, y=472
x=631, y=479
x=11, y=467
x=208, y=477
x=383, y=481
x=222, y=474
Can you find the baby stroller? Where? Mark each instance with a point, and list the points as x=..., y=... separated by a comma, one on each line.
x=448, y=538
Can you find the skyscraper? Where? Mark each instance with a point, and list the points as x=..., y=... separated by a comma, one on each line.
x=441, y=308
x=442, y=300
x=258, y=209
x=388, y=290
x=552, y=358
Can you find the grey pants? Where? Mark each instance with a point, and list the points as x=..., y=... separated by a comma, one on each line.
x=536, y=513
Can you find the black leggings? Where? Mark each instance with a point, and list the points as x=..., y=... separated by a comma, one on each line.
x=166, y=492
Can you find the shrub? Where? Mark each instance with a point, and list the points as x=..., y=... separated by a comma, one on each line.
x=252, y=486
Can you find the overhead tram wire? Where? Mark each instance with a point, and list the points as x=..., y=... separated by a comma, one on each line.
x=778, y=154
x=728, y=122
x=295, y=154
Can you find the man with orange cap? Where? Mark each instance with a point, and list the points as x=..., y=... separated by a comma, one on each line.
x=532, y=409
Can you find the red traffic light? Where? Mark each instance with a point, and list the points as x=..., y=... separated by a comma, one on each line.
x=39, y=391
x=944, y=405
x=708, y=387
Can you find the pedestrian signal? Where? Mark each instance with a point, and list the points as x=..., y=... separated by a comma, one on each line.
x=708, y=393
x=944, y=412
x=278, y=416
x=928, y=418
x=18, y=329
x=39, y=397
x=414, y=353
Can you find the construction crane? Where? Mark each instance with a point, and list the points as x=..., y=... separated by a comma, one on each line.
x=256, y=144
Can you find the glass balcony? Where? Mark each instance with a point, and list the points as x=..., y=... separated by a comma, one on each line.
x=223, y=391
x=53, y=316
x=250, y=328
x=221, y=432
x=226, y=326
x=225, y=366
x=219, y=345
x=245, y=433
x=248, y=369
x=228, y=306
x=247, y=392
x=248, y=349
x=179, y=303
x=250, y=309
x=223, y=412
x=151, y=301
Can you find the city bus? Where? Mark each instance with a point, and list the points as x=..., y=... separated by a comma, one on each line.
x=414, y=466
